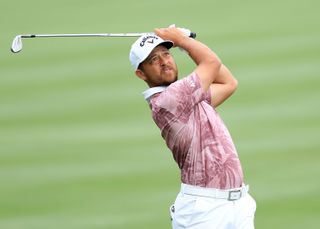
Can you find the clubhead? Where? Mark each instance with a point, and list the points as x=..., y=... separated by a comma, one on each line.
x=16, y=44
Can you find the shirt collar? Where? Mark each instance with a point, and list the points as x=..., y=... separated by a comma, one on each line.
x=151, y=91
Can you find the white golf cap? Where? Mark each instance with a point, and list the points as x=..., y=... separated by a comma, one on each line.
x=143, y=46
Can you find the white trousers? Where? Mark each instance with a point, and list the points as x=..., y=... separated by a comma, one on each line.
x=202, y=212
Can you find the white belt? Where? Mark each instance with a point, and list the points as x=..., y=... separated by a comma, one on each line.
x=228, y=194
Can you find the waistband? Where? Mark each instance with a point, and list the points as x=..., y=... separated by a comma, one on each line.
x=228, y=194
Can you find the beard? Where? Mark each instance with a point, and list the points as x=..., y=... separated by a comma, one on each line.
x=167, y=82
x=168, y=75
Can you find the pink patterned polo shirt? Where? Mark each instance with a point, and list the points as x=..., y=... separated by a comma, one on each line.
x=196, y=135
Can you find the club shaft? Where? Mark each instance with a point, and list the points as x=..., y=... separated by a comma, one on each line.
x=17, y=41
x=90, y=35
x=83, y=35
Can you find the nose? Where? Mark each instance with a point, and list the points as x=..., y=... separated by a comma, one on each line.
x=162, y=61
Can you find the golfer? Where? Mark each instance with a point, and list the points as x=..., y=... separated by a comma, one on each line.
x=213, y=194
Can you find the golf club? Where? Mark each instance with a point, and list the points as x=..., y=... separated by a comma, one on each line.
x=17, y=41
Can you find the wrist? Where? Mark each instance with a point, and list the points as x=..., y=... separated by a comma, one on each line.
x=182, y=42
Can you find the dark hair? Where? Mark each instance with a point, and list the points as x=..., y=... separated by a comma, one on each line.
x=140, y=67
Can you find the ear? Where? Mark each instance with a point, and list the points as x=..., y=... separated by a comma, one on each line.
x=141, y=74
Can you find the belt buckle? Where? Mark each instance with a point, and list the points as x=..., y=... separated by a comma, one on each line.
x=234, y=195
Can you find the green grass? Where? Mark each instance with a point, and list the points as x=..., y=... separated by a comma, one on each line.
x=78, y=148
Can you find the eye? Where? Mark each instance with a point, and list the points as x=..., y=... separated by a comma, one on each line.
x=167, y=53
x=154, y=60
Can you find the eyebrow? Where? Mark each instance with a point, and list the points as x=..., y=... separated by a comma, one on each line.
x=154, y=54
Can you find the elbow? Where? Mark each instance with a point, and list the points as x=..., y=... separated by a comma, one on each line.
x=233, y=85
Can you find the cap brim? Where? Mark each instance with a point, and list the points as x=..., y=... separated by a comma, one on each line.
x=167, y=44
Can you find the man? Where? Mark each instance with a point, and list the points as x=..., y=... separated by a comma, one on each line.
x=213, y=194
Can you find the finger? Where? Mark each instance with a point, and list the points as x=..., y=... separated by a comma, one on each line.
x=158, y=32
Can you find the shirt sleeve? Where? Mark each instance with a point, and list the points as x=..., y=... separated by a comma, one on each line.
x=183, y=95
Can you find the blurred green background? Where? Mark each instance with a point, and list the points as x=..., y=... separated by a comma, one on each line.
x=78, y=148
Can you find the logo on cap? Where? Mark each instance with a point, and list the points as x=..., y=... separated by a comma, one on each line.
x=149, y=39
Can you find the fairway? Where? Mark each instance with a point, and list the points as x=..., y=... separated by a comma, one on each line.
x=78, y=147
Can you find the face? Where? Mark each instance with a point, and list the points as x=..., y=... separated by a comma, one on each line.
x=159, y=68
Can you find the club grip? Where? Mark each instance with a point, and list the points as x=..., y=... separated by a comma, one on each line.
x=193, y=35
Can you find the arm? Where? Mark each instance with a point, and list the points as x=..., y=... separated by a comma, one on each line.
x=208, y=63
x=223, y=86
